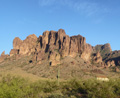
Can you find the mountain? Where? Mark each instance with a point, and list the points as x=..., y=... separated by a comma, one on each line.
x=55, y=50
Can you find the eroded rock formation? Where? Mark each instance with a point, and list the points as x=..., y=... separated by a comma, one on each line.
x=55, y=45
x=97, y=58
x=3, y=56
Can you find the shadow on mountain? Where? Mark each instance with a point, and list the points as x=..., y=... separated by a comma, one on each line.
x=116, y=59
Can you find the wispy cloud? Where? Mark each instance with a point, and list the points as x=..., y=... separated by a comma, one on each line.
x=85, y=7
x=47, y=2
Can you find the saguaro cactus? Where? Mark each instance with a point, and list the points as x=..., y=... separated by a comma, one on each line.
x=58, y=75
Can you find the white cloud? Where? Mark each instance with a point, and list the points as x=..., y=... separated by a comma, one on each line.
x=85, y=7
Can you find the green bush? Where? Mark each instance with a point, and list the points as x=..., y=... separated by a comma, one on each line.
x=17, y=87
x=99, y=89
x=45, y=86
x=14, y=87
x=55, y=95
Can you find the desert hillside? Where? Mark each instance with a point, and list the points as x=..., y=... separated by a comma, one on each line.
x=55, y=53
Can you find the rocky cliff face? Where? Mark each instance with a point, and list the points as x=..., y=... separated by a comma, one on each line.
x=55, y=45
x=103, y=49
x=26, y=46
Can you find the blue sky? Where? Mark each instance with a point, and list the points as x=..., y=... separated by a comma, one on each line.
x=97, y=20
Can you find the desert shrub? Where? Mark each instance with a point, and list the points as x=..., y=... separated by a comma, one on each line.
x=91, y=89
x=45, y=86
x=117, y=87
x=99, y=89
x=17, y=87
x=14, y=87
x=55, y=95
x=74, y=88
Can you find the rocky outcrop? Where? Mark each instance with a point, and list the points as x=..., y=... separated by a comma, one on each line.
x=3, y=53
x=97, y=58
x=1, y=59
x=113, y=56
x=78, y=45
x=103, y=49
x=54, y=45
x=86, y=54
x=64, y=47
x=110, y=63
x=28, y=45
x=107, y=47
x=3, y=56
x=54, y=58
x=14, y=52
x=17, y=43
x=24, y=47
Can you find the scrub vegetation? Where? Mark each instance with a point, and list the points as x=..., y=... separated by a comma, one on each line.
x=18, y=87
